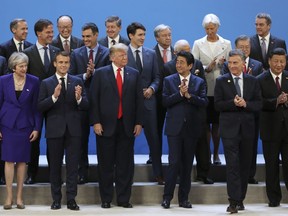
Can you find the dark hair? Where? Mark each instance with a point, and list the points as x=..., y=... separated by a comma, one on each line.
x=277, y=51
x=62, y=53
x=91, y=26
x=65, y=16
x=132, y=28
x=265, y=16
x=188, y=56
x=14, y=23
x=41, y=24
x=114, y=19
x=242, y=38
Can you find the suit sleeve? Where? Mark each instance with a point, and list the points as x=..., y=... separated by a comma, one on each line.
x=94, y=98
x=156, y=74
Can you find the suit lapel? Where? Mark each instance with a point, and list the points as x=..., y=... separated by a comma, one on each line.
x=284, y=82
x=11, y=86
x=112, y=79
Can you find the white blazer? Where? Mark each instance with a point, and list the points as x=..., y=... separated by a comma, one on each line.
x=201, y=51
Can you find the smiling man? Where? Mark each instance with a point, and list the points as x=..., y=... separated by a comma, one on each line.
x=113, y=28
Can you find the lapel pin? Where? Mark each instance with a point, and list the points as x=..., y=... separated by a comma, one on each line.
x=27, y=90
x=286, y=77
x=228, y=81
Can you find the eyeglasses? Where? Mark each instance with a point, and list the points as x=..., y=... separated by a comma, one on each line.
x=65, y=27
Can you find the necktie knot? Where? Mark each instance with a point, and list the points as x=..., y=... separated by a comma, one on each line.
x=113, y=42
x=20, y=47
x=184, y=81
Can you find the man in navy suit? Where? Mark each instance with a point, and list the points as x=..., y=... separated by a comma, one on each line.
x=273, y=123
x=237, y=101
x=42, y=68
x=263, y=24
x=183, y=96
x=116, y=115
x=65, y=40
x=165, y=53
x=254, y=68
x=18, y=43
x=113, y=26
x=84, y=61
x=145, y=61
x=61, y=98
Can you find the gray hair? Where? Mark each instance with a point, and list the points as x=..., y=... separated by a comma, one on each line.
x=160, y=28
x=179, y=44
x=17, y=58
x=210, y=18
x=238, y=52
x=118, y=47
x=14, y=23
x=265, y=16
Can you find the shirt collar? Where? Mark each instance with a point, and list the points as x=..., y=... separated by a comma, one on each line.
x=63, y=39
x=58, y=76
x=240, y=76
x=39, y=46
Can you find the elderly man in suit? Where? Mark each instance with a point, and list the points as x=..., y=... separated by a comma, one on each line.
x=263, y=42
x=145, y=61
x=113, y=26
x=65, y=40
x=183, y=96
x=40, y=64
x=61, y=99
x=273, y=123
x=254, y=68
x=117, y=116
x=84, y=61
x=237, y=98
x=18, y=43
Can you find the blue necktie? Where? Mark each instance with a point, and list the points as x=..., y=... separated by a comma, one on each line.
x=237, y=86
x=46, y=59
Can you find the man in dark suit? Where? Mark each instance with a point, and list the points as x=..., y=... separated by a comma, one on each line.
x=84, y=61
x=18, y=43
x=61, y=98
x=116, y=115
x=183, y=96
x=65, y=40
x=40, y=57
x=202, y=154
x=263, y=42
x=165, y=53
x=113, y=26
x=273, y=123
x=254, y=68
x=237, y=102
x=145, y=61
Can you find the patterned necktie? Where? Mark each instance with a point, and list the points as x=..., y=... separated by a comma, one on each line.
x=46, y=59
x=263, y=48
x=66, y=46
x=20, y=47
x=138, y=61
x=164, y=55
x=237, y=86
x=119, y=86
x=278, y=84
x=91, y=55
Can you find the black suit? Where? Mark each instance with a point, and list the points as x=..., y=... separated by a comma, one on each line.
x=74, y=43
x=65, y=113
x=202, y=154
x=79, y=61
x=273, y=132
x=104, y=41
x=115, y=148
x=256, y=52
x=9, y=47
x=237, y=130
x=36, y=68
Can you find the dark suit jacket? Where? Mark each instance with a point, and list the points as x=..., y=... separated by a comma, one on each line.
x=150, y=76
x=21, y=113
x=3, y=66
x=35, y=66
x=8, y=47
x=234, y=120
x=74, y=43
x=272, y=117
x=256, y=48
x=181, y=110
x=65, y=112
x=256, y=67
x=79, y=61
x=104, y=100
x=104, y=41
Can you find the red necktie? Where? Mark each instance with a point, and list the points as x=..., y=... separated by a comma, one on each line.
x=119, y=86
x=278, y=84
x=245, y=69
x=165, y=55
x=91, y=55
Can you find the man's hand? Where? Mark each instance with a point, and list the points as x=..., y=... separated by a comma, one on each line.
x=137, y=130
x=282, y=98
x=78, y=92
x=148, y=92
x=90, y=69
x=57, y=90
x=239, y=101
x=98, y=129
